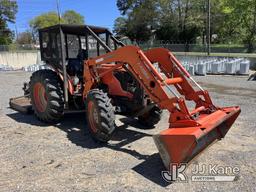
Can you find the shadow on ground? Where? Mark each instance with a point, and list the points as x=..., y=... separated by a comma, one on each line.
x=75, y=127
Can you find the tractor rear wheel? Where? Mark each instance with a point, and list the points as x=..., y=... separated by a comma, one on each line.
x=150, y=118
x=47, y=96
x=100, y=115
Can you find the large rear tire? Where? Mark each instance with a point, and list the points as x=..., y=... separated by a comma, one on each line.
x=100, y=115
x=46, y=94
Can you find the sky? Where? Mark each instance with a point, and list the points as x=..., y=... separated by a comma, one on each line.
x=96, y=12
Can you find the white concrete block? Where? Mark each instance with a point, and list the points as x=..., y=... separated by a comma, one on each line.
x=216, y=68
x=244, y=68
x=201, y=69
x=230, y=68
x=191, y=70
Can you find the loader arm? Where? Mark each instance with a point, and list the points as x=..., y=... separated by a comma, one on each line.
x=140, y=65
x=189, y=132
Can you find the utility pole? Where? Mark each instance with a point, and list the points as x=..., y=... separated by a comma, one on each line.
x=63, y=57
x=208, y=27
x=58, y=10
x=16, y=31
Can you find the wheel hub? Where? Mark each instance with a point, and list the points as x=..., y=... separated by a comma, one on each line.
x=40, y=97
x=93, y=116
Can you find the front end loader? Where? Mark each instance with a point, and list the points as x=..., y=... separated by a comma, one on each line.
x=114, y=78
x=189, y=131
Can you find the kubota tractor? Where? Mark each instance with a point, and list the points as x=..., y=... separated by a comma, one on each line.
x=91, y=70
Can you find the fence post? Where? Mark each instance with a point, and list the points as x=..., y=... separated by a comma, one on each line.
x=229, y=44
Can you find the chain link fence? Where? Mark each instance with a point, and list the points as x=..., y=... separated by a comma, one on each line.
x=18, y=47
x=202, y=48
x=173, y=46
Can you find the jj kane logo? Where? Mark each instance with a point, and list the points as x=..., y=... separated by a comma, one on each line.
x=201, y=173
x=176, y=173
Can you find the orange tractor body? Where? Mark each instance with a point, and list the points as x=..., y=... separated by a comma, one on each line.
x=122, y=77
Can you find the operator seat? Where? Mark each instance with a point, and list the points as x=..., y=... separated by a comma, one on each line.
x=76, y=65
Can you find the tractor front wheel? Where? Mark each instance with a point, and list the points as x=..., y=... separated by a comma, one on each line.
x=100, y=115
x=47, y=96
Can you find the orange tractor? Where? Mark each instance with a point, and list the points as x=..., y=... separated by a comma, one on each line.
x=91, y=70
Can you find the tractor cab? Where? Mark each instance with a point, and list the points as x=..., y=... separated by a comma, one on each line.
x=80, y=42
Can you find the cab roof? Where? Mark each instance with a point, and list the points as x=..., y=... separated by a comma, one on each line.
x=75, y=29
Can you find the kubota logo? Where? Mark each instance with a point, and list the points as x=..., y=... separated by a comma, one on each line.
x=176, y=173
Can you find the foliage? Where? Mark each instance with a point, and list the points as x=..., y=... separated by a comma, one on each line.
x=25, y=38
x=168, y=19
x=72, y=17
x=52, y=18
x=120, y=26
x=238, y=22
x=185, y=20
x=8, y=10
x=45, y=20
x=183, y=17
x=246, y=12
x=139, y=21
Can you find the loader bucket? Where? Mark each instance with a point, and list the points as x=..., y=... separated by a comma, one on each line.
x=180, y=145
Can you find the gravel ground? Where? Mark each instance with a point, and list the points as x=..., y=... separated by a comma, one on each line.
x=39, y=157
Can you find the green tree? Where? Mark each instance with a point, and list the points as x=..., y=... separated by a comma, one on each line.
x=72, y=17
x=45, y=20
x=237, y=22
x=186, y=20
x=52, y=18
x=141, y=17
x=125, y=5
x=25, y=38
x=120, y=26
x=245, y=10
x=180, y=20
x=224, y=24
x=8, y=10
x=172, y=19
